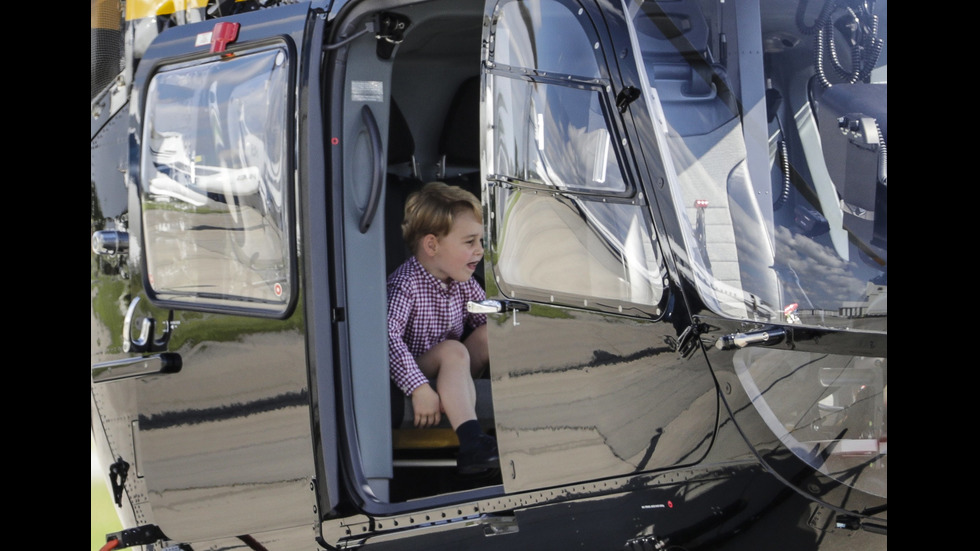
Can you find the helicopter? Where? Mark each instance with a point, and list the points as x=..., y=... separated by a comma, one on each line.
x=685, y=227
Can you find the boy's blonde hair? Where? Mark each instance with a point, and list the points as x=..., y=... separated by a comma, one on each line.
x=433, y=209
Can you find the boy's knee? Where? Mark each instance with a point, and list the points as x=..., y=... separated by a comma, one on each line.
x=453, y=352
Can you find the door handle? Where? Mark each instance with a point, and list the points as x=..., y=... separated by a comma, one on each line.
x=129, y=368
x=145, y=342
x=110, y=242
x=496, y=306
x=377, y=174
x=768, y=337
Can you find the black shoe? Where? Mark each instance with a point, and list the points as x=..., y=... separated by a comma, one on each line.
x=481, y=458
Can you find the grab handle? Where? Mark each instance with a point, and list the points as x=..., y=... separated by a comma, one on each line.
x=377, y=176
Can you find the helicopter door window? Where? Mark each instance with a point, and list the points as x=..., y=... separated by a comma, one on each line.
x=214, y=181
x=585, y=241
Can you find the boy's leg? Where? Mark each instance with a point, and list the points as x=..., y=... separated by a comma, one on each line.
x=479, y=350
x=449, y=363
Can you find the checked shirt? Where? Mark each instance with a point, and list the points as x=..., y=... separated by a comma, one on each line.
x=422, y=312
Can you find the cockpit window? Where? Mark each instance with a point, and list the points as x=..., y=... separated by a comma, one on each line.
x=772, y=127
x=793, y=228
x=214, y=183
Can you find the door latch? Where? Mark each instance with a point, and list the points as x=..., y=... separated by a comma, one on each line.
x=118, y=472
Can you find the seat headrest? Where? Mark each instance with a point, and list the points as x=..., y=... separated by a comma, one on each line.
x=461, y=132
x=401, y=144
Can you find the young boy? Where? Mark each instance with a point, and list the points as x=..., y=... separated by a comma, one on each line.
x=427, y=315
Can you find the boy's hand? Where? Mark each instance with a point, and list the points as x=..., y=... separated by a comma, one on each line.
x=426, y=405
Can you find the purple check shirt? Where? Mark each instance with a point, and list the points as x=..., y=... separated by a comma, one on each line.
x=423, y=312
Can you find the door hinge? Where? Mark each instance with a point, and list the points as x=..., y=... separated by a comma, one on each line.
x=684, y=343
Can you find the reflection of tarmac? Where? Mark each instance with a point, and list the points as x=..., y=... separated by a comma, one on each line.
x=99, y=334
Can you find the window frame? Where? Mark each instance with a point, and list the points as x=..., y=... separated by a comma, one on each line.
x=614, y=127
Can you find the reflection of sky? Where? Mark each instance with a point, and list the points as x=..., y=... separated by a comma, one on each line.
x=827, y=279
x=228, y=115
x=560, y=42
x=210, y=93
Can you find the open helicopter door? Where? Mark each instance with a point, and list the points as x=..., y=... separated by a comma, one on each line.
x=587, y=379
x=221, y=291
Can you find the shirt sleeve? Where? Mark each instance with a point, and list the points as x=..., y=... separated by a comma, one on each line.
x=405, y=370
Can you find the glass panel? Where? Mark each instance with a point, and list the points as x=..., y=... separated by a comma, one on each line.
x=512, y=128
x=213, y=181
x=559, y=136
x=802, y=239
x=572, y=149
x=582, y=252
x=545, y=36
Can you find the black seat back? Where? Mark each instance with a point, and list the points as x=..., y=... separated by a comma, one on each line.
x=402, y=180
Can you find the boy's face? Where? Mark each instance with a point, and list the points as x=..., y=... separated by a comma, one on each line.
x=456, y=254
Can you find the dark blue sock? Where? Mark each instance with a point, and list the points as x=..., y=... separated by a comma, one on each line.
x=469, y=434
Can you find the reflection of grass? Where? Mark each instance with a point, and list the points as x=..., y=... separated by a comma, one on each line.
x=104, y=519
x=539, y=311
x=106, y=291
x=221, y=328
x=553, y=313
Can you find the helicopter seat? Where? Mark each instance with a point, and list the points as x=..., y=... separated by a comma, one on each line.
x=403, y=420
x=460, y=144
